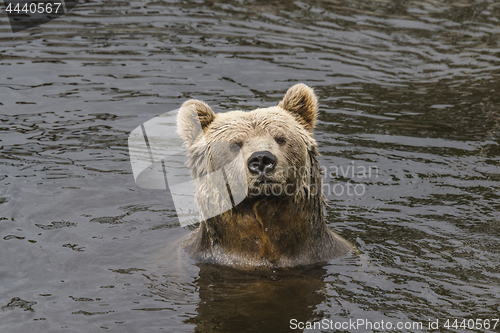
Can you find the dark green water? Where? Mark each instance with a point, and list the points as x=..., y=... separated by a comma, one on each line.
x=408, y=89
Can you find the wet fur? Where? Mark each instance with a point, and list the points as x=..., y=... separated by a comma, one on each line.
x=274, y=230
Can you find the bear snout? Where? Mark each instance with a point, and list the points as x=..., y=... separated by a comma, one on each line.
x=262, y=162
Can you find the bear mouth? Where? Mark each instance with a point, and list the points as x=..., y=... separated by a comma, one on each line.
x=265, y=186
x=265, y=181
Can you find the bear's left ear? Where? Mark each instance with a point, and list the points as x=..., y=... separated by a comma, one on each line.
x=301, y=101
x=193, y=118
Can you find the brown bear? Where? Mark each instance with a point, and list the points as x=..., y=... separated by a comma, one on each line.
x=279, y=222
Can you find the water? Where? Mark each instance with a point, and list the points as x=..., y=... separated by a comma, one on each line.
x=407, y=88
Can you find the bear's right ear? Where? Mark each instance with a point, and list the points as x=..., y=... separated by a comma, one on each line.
x=194, y=116
x=301, y=101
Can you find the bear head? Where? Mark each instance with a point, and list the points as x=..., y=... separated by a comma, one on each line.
x=268, y=151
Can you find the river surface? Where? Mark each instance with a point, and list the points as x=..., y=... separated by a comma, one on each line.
x=407, y=89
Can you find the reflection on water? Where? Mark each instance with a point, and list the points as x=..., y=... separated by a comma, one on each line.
x=232, y=301
x=409, y=87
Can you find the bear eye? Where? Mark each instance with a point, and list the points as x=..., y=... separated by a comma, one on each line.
x=281, y=141
x=236, y=146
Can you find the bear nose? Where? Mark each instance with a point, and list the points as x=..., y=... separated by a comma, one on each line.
x=261, y=162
